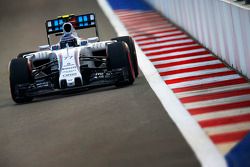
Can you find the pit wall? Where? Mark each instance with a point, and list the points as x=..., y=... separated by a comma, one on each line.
x=220, y=25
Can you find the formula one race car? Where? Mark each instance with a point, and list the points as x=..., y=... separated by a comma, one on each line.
x=73, y=63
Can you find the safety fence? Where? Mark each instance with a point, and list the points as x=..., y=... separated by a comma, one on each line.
x=219, y=25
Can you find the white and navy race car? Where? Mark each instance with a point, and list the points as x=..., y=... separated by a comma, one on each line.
x=73, y=63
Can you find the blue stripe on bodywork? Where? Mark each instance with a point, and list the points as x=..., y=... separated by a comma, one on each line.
x=239, y=156
x=129, y=5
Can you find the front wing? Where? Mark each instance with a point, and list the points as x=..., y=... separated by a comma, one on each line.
x=30, y=90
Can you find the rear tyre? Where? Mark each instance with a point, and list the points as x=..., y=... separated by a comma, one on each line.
x=129, y=41
x=19, y=74
x=119, y=57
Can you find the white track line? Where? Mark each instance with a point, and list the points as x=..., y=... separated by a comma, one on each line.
x=158, y=35
x=180, y=59
x=203, y=147
x=193, y=74
x=178, y=67
x=221, y=114
x=162, y=39
x=209, y=103
x=177, y=53
x=127, y=14
x=170, y=48
x=227, y=128
x=145, y=23
x=166, y=43
x=139, y=16
x=145, y=29
x=225, y=147
x=204, y=81
x=149, y=24
x=142, y=19
x=154, y=31
x=213, y=90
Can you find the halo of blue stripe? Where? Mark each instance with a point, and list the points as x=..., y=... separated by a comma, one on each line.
x=239, y=156
x=129, y=5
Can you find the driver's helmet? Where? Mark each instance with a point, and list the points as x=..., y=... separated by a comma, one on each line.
x=69, y=37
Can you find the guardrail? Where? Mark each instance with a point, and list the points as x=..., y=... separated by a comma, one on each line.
x=219, y=25
x=246, y=1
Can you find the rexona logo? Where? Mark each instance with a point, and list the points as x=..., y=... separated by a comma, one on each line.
x=70, y=75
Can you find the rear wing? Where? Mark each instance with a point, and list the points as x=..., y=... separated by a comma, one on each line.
x=78, y=21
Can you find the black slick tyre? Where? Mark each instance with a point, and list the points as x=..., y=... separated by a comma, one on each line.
x=19, y=74
x=129, y=41
x=119, y=57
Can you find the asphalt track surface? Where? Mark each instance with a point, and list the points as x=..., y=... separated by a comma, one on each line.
x=102, y=127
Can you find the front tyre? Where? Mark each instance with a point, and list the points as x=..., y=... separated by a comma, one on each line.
x=129, y=41
x=119, y=58
x=19, y=73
